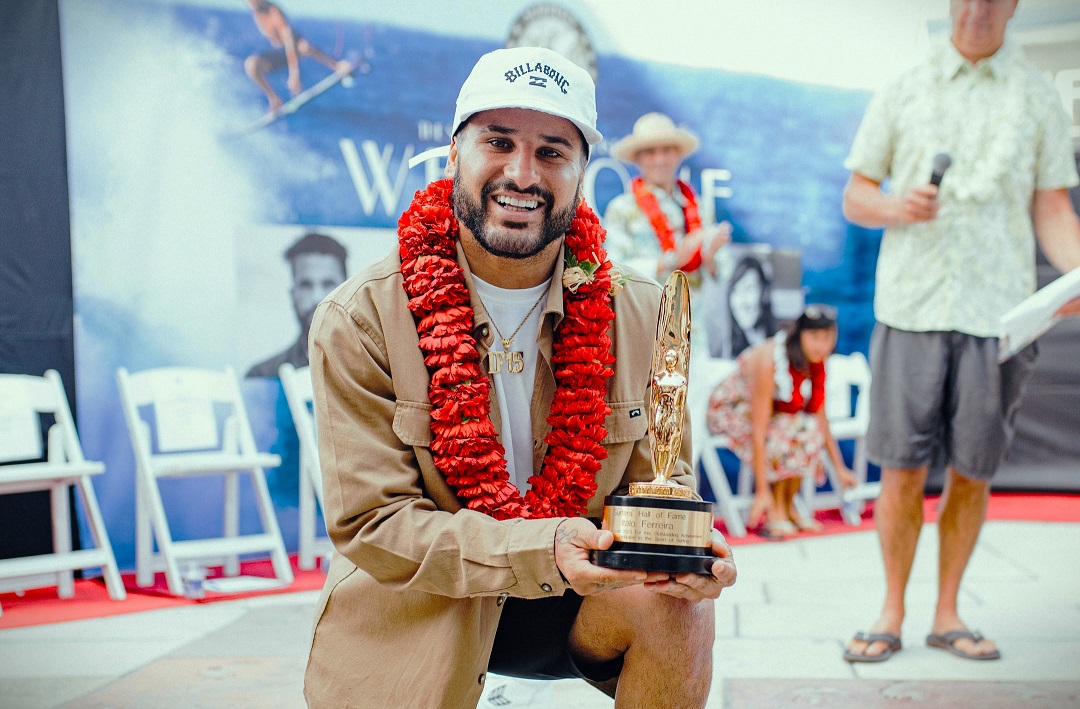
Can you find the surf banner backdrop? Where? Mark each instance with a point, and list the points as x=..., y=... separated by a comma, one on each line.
x=186, y=195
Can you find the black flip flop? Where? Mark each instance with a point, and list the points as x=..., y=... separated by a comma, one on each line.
x=893, y=642
x=946, y=641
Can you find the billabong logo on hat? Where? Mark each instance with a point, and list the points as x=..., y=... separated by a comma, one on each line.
x=506, y=78
x=530, y=70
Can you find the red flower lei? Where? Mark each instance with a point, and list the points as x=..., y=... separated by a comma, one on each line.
x=465, y=446
x=651, y=207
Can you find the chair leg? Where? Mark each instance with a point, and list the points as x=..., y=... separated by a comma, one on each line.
x=144, y=539
x=725, y=501
x=232, y=519
x=160, y=525
x=61, y=531
x=306, y=555
x=109, y=570
x=278, y=556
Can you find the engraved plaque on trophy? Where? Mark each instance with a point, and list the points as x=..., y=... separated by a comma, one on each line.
x=663, y=525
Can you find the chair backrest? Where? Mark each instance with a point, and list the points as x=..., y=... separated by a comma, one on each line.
x=297, y=385
x=705, y=374
x=23, y=399
x=843, y=373
x=183, y=405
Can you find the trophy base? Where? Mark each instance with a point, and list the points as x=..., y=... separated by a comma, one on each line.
x=676, y=561
x=658, y=534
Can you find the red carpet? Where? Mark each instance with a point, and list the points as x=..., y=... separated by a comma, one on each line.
x=1003, y=506
x=91, y=600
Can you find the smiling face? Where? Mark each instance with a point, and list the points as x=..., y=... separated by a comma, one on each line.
x=978, y=26
x=517, y=180
x=658, y=164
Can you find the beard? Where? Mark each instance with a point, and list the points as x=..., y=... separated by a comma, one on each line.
x=510, y=240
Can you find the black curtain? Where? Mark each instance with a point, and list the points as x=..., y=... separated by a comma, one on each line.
x=36, y=306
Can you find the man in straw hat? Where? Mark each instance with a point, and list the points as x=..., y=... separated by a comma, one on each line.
x=484, y=357
x=656, y=226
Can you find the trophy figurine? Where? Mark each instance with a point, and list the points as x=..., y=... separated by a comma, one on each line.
x=663, y=525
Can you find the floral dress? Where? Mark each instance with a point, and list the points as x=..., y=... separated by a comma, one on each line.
x=794, y=439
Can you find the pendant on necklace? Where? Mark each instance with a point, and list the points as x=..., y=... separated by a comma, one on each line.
x=514, y=360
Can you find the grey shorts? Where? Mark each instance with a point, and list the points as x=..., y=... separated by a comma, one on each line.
x=943, y=397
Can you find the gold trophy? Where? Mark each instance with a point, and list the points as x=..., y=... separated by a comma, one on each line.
x=663, y=525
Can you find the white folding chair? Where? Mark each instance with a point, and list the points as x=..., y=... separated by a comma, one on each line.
x=182, y=405
x=297, y=386
x=706, y=446
x=847, y=376
x=23, y=400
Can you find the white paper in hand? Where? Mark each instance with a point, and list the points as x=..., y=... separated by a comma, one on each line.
x=1035, y=315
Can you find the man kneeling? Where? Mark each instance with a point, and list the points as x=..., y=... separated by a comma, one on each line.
x=459, y=373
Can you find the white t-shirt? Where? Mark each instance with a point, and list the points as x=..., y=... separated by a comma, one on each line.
x=506, y=308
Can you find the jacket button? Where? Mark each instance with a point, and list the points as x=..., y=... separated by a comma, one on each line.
x=484, y=331
x=480, y=679
x=502, y=599
x=545, y=587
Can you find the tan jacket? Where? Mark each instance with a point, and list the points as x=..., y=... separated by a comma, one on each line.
x=413, y=598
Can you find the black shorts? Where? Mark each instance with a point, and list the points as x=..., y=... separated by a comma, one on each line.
x=531, y=641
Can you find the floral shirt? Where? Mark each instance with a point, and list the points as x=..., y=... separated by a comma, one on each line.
x=1005, y=128
x=631, y=239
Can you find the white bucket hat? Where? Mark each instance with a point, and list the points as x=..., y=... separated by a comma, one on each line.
x=526, y=77
x=651, y=130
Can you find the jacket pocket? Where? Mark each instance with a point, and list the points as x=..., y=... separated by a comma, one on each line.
x=412, y=423
x=627, y=422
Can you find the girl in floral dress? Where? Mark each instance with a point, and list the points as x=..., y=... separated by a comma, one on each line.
x=772, y=410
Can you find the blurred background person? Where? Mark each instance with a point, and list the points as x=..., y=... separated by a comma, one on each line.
x=954, y=258
x=317, y=262
x=656, y=227
x=772, y=409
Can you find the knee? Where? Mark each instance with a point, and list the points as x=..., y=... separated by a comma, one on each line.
x=904, y=482
x=970, y=487
x=253, y=66
x=303, y=46
x=674, y=621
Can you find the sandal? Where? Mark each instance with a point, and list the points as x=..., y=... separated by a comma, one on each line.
x=892, y=641
x=947, y=642
x=777, y=530
x=808, y=525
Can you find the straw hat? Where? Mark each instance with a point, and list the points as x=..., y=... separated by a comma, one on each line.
x=654, y=129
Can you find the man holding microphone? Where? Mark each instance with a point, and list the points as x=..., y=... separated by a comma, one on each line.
x=957, y=254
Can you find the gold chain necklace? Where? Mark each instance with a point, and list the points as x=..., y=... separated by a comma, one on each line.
x=515, y=360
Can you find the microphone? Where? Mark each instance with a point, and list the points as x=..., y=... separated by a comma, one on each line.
x=942, y=161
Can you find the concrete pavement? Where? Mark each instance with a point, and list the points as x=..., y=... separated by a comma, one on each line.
x=780, y=633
